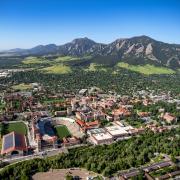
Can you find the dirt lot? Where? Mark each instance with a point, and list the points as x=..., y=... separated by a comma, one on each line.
x=60, y=174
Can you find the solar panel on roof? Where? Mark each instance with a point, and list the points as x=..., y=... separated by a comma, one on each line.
x=18, y=140
x=8, y=142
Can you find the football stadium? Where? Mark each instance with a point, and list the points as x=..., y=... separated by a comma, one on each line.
x=62, y=131
x=66, y=127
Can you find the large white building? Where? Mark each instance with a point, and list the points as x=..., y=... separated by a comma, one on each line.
x=109, y=134
x=100, y=136
x=116, y=131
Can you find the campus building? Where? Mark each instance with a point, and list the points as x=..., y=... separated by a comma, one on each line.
x=116, y=131
x=100, y=136
x=14, y=143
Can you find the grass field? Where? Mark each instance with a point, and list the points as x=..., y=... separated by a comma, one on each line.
x=34, y=60
x=57, y=69
x=22, y=86
x=62, y=131
x=146, y=69
x=69, y=58
x=60, y=59
x=18, y=127
x=63, y=59
x=95, y=67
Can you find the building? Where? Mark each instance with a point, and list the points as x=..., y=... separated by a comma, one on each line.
x=14, y=143
x=119, y=113
x=84, y=126
x=100, y=136
x=90, y=115
x=60, y=113
x=169, y=118
x=43, y=133
x=156, y=129
x=70, y=141
x=4, y=74
x=143, y=114
x=83, y=91
x=116, y=131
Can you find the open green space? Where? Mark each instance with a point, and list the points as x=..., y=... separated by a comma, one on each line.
x=57, y=69
x=63, y=59
x=96, y=67
x=34, y=60
x=18, y=127
x=62, y=131
x=135, y=123
x=46, y=60
x=22, y=86
x=146, y=69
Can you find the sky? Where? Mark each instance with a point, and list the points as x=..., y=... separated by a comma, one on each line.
x=28, y=23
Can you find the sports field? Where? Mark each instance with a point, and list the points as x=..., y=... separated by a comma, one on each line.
x=18, y=127
x=62, y=131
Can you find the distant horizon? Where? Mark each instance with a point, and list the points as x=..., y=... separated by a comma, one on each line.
x=88, y=38
x=28, y=23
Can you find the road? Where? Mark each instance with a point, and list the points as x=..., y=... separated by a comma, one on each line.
x=42, y=154
x=136, y=171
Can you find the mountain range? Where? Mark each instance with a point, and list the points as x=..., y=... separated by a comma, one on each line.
x=136, y=50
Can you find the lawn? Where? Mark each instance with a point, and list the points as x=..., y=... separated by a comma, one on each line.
x=62, y=131
x=22, y=87
x=57, y=69
x=18, y=127
x=146, y=69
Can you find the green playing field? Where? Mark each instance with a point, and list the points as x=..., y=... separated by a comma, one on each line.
x=62, y=131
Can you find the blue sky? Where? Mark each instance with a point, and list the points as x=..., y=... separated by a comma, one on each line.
x=27, y=23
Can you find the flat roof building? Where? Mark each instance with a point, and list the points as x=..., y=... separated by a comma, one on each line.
x=116, y=131
x=101, y=138
x=14, y=143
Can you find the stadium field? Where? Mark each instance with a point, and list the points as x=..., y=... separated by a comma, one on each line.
x=62, y=131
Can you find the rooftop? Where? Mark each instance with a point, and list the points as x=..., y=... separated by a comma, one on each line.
x=116, y=130
x=102, y=136
x=12, y=142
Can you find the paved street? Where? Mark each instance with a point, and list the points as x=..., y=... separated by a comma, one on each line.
x=42, y=154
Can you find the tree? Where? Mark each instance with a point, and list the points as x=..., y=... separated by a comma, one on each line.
x=69, y=177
